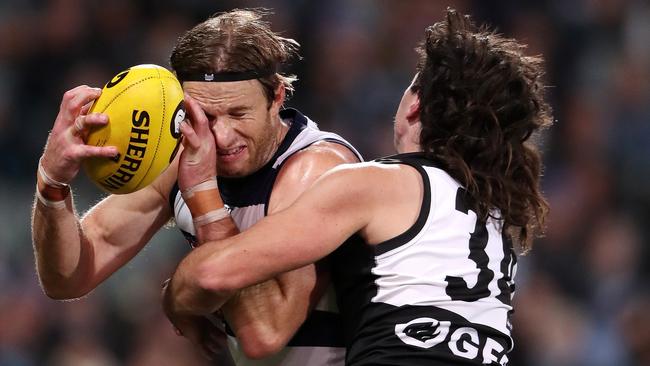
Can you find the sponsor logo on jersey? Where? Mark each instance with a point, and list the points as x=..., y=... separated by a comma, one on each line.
x=423, y=332
x=465, y=342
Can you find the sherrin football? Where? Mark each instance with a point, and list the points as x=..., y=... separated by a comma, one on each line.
x=144, y=105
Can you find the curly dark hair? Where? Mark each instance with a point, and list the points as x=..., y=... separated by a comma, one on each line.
x=237, y=40
x=481, y=99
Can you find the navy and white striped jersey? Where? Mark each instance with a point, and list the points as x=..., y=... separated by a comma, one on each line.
x=319, y=341
x=438, y=294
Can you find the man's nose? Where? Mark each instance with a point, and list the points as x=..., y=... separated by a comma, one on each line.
x=223, y=131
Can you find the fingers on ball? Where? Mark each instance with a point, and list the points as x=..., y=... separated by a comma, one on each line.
x=95, y=119
x=84, y=97
x=88, y=151
x=82, y=123
x=75, y=99
x=86, y=107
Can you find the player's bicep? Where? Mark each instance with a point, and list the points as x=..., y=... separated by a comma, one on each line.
x=301, y=170
x=120, y=225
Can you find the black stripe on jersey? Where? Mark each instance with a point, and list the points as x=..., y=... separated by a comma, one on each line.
x=320, y=329
x=415, y=161
x=415, y=158
x=423, y=335
x=353, y=280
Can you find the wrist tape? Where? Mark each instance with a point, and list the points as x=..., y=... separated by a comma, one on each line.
x=50, y=192
x=46, y=178
x=49, y=203
x=212, y=216
x=204, y=202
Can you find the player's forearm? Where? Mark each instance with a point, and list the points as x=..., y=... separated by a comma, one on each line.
x=264, y=316
x=252, y=312
x=188, y=293
x=218, y=230
x=260, y=298
x=58, y=249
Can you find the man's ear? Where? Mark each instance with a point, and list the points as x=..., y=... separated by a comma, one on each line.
x=413, y=113
x=278, y=96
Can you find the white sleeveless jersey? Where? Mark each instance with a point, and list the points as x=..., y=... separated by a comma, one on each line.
x=438, y=294
x=319, y=341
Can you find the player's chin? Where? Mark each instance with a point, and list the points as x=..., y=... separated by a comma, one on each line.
x=232, y=170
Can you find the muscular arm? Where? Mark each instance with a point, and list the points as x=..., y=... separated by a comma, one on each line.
x=265, y=316
x=264, y=251
x=360, y=198
x=74, y=255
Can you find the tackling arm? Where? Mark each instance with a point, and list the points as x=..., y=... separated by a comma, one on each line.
x=265, y=316
x=214, y=271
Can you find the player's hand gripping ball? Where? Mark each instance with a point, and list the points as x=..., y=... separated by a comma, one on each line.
x=144, y=105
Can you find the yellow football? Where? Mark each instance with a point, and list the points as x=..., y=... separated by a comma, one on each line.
x=145, y=107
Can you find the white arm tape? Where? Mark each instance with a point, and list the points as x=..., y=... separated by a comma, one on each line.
x=49, y=203
x=46, y=178
x=207, y=185
x=211, y=216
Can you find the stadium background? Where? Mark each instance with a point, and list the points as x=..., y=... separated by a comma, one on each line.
x=582, y=295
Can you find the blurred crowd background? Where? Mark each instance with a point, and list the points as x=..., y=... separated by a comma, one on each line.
x=582, y=295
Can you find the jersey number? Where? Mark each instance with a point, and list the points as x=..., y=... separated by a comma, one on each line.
x=457, y=287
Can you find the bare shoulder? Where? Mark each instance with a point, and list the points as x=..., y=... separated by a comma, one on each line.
x=322, y=153
x=305, y=166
